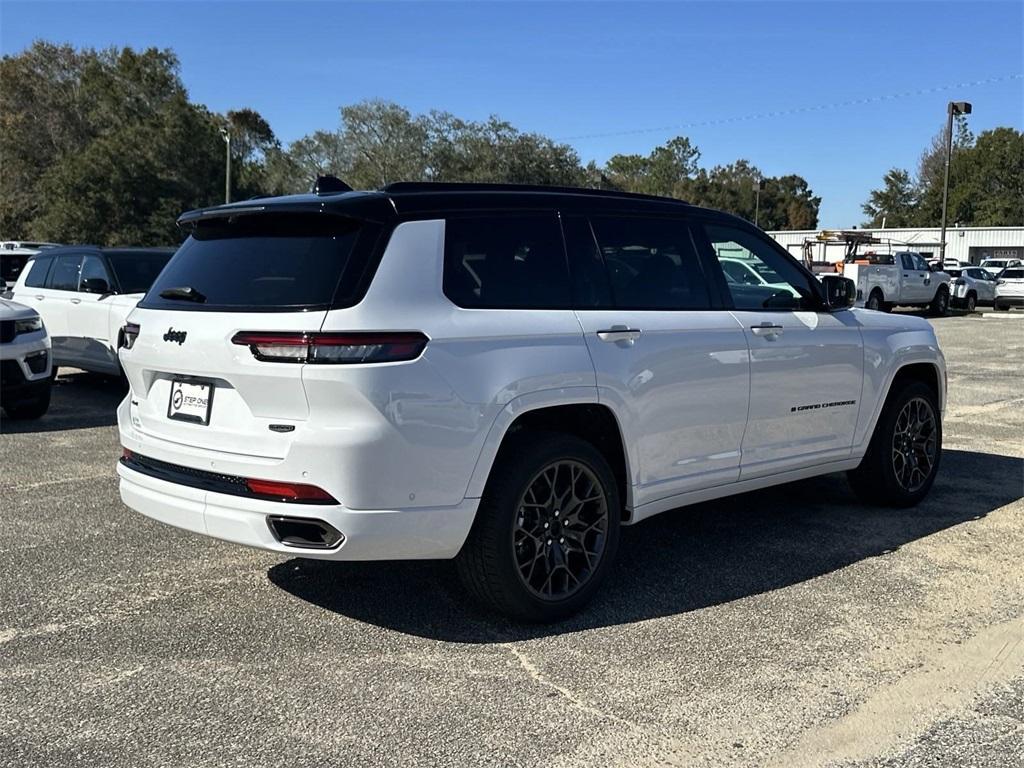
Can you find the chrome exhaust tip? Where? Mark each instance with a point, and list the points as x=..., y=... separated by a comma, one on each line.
x=304, y=532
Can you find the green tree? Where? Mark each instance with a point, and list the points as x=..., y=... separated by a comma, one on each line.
x=932, y=170
x=895, y=203
x=105, y=147
x=986, y=183
x=993, y=180
x=379, y=142
x=666, y=171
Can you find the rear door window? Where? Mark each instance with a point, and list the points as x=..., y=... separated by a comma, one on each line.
x=93, y=268
x=136, y=270
x=64, y=275
x=506, y=262
x=258, y=263
x=36, y=277
x=652, y=263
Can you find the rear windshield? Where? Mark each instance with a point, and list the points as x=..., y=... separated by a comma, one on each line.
x=1014, y=273
x=136, y=270
x=264, y=262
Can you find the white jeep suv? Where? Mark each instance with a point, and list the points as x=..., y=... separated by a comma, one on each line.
x=501, y=375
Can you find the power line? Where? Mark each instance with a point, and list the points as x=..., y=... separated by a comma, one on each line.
x=799, y=110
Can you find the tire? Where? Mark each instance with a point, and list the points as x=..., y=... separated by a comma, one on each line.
x=940, y=304
x=33, y=408
x=882, y=477
x=502, y=545
x=972, y=302
x=875, y=301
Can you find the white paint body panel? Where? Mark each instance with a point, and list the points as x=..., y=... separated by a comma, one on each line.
x=406, y=448
x=83, y=327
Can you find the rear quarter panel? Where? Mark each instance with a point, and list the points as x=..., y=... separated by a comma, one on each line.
x=411, y=434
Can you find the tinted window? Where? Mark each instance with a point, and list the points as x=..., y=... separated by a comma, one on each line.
x=64, y=275
x=36, y=277
x=908, y=262
x=268, y=262
x=590, y=286
x=513, y=262
x=956, y=273
x=1014, y=273
x=136, y=270
x=93, y=268
x=757, y=275
x=651, y=263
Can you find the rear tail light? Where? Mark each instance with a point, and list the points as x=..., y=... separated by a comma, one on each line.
x=332, y=348
x=129, y=333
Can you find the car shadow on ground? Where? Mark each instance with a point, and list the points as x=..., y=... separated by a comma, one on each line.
x=680, y=561
x=78, y=400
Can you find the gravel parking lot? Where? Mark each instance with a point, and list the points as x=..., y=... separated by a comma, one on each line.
x=791, y=627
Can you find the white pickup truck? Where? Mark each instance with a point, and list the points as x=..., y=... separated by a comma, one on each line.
x=898, y=279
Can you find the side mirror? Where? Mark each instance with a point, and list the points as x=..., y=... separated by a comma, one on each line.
x=840, y=292
x=95, y=285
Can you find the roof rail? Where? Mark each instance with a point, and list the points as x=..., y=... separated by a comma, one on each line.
x=453, y=186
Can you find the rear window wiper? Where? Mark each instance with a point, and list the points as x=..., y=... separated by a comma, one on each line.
x=183, y=293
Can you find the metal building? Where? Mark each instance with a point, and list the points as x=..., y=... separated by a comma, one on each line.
x=970, y=244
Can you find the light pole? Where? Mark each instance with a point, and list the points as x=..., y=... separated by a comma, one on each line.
x=226, y=134
x=757, y=199
x=954, y=108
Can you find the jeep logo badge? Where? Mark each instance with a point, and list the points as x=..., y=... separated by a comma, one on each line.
x=173, y=335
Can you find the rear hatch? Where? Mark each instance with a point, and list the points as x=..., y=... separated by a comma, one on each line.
x=193, y=384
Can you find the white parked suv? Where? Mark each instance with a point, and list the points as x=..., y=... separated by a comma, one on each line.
x=1010, y=289
x=84, y=295
x=501, y=375
x=970, y=287
x=24, y=362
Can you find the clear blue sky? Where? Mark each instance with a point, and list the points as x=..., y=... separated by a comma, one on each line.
x=571, y=70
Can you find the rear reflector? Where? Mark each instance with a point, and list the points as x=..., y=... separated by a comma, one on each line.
x=332, y=348
x=279, y=491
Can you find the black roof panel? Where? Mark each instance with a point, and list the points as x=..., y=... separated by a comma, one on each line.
x=415, y=199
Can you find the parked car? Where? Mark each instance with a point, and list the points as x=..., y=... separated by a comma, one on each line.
x=501, y=375
x=1010, y=289
x=971, y=286
x=14, y=254
x=84, y=294
x=906, y=280
x=24, y=362
x=995, y=266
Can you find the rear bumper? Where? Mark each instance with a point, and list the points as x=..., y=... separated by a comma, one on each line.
x=1009, y=301
x=411, y=534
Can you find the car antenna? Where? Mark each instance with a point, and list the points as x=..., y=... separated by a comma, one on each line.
x=329, y=185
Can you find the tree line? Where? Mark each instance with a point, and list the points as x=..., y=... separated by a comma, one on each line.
x=105, y=147
x=986, y=183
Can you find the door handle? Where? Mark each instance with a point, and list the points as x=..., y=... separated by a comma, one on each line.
x=76, y=301
x=619, y=333
x=769, y=330
x=38, y=297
